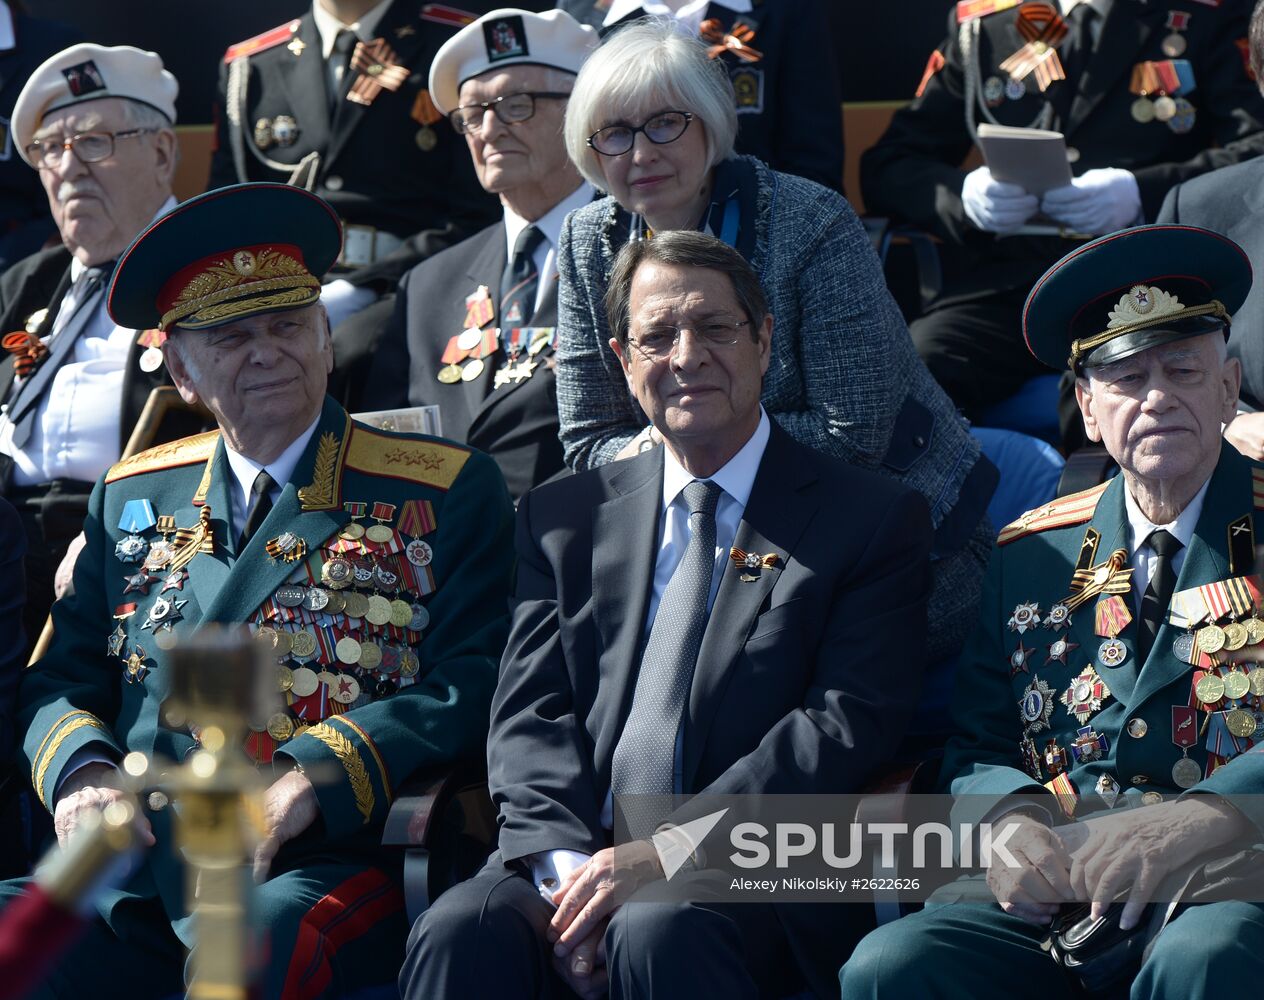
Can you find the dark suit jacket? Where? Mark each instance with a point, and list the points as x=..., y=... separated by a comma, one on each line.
x=784, y=699
x=789, y=109
x=914, y=172
x=372, y=169
x=1231, y=201
x=31, y=284
x=515, y=424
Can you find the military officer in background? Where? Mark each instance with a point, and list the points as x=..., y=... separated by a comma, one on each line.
x=1146, y=94
x=335, y=101
x=375, y=566
x=781, y=57
x=97, y=123
x=474, y=326
x=1107, y=673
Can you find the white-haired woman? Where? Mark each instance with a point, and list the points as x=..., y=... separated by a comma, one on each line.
x=651, y=121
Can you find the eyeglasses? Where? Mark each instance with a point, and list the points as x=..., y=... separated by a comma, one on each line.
x=510, y=109
x=660, y=342
x=660, y=129
x=89, y=147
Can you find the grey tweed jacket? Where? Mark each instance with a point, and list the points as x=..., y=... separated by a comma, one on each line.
x=844, y=376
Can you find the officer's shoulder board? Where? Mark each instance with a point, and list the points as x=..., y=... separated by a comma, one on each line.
x=1060, y=513
x=1257, y=486
x=260, y=43
x=186, y=451
x=441, y=13
x=968, y=10
x=424, y=461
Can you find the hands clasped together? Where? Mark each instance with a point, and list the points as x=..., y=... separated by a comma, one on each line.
x=1098, y=201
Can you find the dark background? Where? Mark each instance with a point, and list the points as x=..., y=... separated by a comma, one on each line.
x=882, y=47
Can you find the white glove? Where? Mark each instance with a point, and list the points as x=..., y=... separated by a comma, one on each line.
x=993, y=206
x=1098, y=201
x=342, y=300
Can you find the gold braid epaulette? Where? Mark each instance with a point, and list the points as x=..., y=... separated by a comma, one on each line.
x=1074, y=509
x=57, y=734
x=351, y=762
x=426, y=461
x=186, y=451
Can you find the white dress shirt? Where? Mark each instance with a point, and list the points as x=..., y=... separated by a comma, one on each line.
x=78, y=421
x=1140, y=527
x=246, y=470
x=689, y=15
x=736, y=479
x=328, y=26
x=550, y=225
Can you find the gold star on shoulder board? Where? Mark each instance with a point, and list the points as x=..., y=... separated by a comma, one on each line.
x=297, y=45
x=405, y=30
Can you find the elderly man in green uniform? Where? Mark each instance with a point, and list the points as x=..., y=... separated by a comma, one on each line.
x=1111, y=676
x=375, y=566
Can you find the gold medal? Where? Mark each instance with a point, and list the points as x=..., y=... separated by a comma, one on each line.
x=352, y=532
x=449, y=374
x=1211, y=639
x=346, y=690
x=280, y=727
x=380, y=534
x=1240, y=723
x=1236, y=684
x=1210, y=689
x=337, y=603
x=284, y=643
x=348, y=650
x=304, y=682
x=379, y=610
x=357, y=605
x=1235, y=636
x=1174, y=45
x=1164, y=108
x=1142, y=110
x=304, y=645
x=285, y=679
x=426, y=139
x=1256, y=678
x=409, y=663
x=1186, y=773
x=401, y=613
x=338, y=573
x=328, y=677
x=469, y=338
x=1254, y=630
x=370, y=656
x=472, y=370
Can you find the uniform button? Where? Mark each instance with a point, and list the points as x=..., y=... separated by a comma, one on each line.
x=1073, y=154
x=920, y=441
x=1151, y=798
x=333, y=182
x=1137, y=728
x=1141, y=779
x=157, y=801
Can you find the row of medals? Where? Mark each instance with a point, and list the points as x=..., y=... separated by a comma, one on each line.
x=514, y=370
x=1229, y=683
x=365, y=669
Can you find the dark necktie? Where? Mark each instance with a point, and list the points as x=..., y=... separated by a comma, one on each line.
x=260, y=506
x=25, y=403
x=644, y=760
x=1074, y=53
x=340, y=68
x=521, y=280
x=1158, y=594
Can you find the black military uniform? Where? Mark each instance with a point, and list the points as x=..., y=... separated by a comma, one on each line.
x=970, y=337
x=392, y=164
x=789, y=111
x=507, y=410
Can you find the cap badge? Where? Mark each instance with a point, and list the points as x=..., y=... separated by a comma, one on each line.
x=506, y=38
x=1143, y=301
x=83, y=78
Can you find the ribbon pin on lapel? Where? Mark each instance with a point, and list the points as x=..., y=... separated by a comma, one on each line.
x=1043, y=30
x=752, y=563
x=736, y=41
x=27, y=351
x=375, y=62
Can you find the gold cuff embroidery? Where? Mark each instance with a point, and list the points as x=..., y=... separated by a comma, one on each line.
x=377, y=757
x=44, y=762
x=351, y=762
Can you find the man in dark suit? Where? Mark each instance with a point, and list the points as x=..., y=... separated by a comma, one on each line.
x=698, y=619
x=474, y=326
x=1231, y=201
x=82, y=381
x=780, y=55
x=1153, y=93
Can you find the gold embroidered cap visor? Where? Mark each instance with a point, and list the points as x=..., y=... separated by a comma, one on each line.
x=233, y=252
x=1132, y=290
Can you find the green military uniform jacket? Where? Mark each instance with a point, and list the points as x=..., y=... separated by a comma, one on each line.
x=104, y=692
x=995, y=709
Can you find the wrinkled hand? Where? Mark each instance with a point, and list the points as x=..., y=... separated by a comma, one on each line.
x=91, y=789
x=1246, y=433
x=289, y=808
x=584, y=969
x=1135, y=849
x=590, y=894
x=1098, y=201
x=64, y=578
x=994, y=206
x=1037, y=888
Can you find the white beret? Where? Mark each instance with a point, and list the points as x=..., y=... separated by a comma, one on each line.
x=89, y=72
x=508, y=37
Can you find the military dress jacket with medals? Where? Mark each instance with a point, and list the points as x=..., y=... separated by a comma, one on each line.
x=392, y=163
x=444, y=557
x=781, y=60
x=914, y=172
x=1055, y=700
x=508, y=409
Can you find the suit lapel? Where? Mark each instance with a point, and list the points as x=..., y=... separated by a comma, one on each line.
x=30, y=393
x=779, y=509
x=303, y=79
x=1125, y=29
x=208, y=574
x=486, y=269
x=546, y=315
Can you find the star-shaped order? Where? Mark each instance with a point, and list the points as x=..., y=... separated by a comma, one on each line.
x=1018, y=659
x=1059, y=648
x=174, y=581
x=139, y=582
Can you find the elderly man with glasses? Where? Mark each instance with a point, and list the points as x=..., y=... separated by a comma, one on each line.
x=474, y=327
x=98, y=125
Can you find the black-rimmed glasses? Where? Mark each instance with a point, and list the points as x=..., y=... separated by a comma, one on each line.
x=89, y=147
x=510, y=109
x=660, y=129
